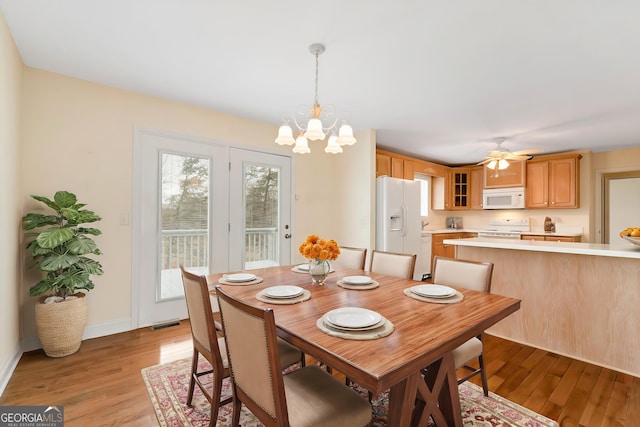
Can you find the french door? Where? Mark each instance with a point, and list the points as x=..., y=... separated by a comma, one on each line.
x=206, y=206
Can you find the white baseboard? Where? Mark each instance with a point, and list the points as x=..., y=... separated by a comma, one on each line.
x=91, y=331
x=9, y=365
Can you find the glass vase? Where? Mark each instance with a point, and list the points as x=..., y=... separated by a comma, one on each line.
x=318, y=270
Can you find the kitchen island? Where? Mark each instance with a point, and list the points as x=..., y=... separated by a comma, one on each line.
x=578, y=299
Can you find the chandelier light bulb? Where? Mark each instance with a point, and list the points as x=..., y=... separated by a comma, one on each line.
x=503, y=164
x=492, y=164
x=333, y=146
x=314, y=130
x=301, y=146
x=345, y=135
x=285, y=136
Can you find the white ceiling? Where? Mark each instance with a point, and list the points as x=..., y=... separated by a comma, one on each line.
x=436, y=79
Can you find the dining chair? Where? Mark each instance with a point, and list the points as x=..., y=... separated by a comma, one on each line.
x=208, y=341
x=469, y=275
x=308, y=396
x=352, y=257
x=393, y=264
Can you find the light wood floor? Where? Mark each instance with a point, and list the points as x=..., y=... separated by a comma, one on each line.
x=101, y=385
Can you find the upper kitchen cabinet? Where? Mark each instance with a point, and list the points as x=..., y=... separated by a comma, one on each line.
x=399, y=166
x=476, y=180
x=553, y=181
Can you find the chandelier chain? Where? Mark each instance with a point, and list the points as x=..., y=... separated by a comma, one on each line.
x=316, y=100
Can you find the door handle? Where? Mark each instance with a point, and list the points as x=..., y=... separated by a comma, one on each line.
x=287, y=236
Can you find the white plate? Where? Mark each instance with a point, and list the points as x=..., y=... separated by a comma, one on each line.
x=433, y=291
x=344, y=328
x=305, y=267
x=284, y=291
x=240, y=277
x=353, y=317
x=357, y=280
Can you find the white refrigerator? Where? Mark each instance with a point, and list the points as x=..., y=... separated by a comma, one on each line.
x=398, y=218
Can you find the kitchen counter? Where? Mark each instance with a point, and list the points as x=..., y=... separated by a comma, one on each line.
x=545, y=233
x=621, y=250
x=449, y=230
x=578, y=299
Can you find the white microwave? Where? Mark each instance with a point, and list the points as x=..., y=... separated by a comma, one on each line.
x=503, y=198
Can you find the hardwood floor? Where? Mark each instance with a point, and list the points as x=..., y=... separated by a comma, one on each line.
x=101, y=385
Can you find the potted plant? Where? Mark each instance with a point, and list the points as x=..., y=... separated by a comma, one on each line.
x=60, y=246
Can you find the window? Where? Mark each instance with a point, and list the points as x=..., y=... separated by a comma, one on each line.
x=425, y=191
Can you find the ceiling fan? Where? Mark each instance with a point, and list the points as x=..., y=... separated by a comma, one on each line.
x=500, y=157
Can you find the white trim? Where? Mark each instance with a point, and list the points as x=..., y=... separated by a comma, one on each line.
x=9, y=366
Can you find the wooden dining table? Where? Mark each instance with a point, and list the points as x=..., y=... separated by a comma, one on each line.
x=424, y=336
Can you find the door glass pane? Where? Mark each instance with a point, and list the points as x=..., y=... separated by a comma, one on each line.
x=184, y=218
x=262, y=194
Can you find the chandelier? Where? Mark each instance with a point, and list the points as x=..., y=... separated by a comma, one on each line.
x=315, y=123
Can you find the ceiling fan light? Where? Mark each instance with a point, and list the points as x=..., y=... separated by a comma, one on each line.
x=314, y=130
x=492, y=164
x=285, y=136
x=332, y=145
x=503, y=164
x=301, y=147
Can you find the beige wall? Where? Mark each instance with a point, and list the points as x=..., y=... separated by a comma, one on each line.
x=610, y=162
x=11, y=69
x=78, y=136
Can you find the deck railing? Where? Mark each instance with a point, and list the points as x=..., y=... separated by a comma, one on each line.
x=191, y=247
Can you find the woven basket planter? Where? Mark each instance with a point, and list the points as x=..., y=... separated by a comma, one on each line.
x=60, y=325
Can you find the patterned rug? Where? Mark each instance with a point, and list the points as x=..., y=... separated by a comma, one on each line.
x=168, y=385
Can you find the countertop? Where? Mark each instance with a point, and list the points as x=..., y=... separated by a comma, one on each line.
x=449, y=230
x=620, y=250
x=472, y=230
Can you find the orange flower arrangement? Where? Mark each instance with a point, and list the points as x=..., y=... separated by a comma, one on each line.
x=319, y=249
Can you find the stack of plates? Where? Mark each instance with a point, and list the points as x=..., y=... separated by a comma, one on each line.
x=357, y=280
x=283, y=292
x=433, y=291
x=353, y=319
x=240, y=277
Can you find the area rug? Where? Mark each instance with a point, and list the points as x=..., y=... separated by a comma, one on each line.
x=168, y=385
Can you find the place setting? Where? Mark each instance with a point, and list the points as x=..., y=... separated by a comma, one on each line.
x=304, y=268
x=355, y=323
x=240, y=279
x=283, y=294
x=438, y=294
x=357, y=283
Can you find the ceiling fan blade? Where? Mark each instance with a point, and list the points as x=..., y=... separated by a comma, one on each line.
x=519, y=157
x=525, y=152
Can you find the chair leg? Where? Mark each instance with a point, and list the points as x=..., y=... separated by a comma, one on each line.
x=192, y=381
x=237, y=407
x=215, y=398
x=483, y=376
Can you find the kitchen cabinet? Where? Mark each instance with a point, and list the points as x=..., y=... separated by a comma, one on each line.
x=439, y=248
x=553, y=238
x=476, y=180
x=400, y=166
x=460, y=188
x=553, y=182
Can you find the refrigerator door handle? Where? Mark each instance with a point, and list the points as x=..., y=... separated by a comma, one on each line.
x=404, y=220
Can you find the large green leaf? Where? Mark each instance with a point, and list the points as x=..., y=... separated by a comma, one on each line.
x=90, y=266
x=35, y=220
x=54, y=236
x=64, y=199
x=75, y=217
x=47, y=202
x=92, y=231
x=81, y=245
x=55, y=261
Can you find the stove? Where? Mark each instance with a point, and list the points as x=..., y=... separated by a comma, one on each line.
x=505, y=228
